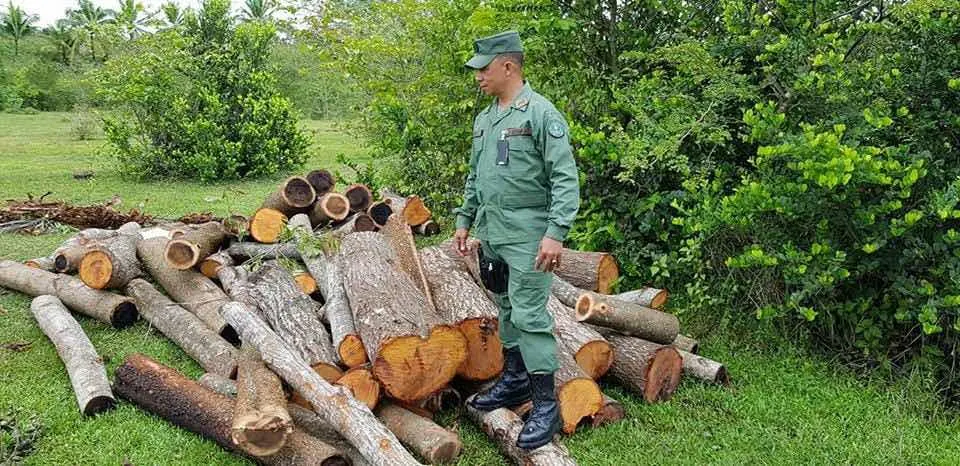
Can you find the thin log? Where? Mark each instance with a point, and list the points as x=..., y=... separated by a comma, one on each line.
x=195, y=292
x=685, y=343
x=591, y=351
x=411, y=209
x=654, y=298
x=334, y=405
x=649, y=369
x=360, y=197
x=627, y=318
x=244, y=250
x=84, y=367
x=503, y=427
x=205, y=346
x=113, y=309
x=218, y=383
x=170, y=395
x=428, y=228
x=359, y=221
x=295, y=195
x=704, y=369
x=322, y=181
x=400, y=238
x=592, y=271
x=188, y=249
x=432, y=442
x=266, y=224
x=413, y=354
x=68, y=255
x=331, y=207
x=42, y=263
x=210, y=265
x=111, y=263
x=261, y=423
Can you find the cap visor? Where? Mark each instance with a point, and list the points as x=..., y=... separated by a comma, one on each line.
x=479, y=62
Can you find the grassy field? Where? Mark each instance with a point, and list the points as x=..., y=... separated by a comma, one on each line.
x=784, y=406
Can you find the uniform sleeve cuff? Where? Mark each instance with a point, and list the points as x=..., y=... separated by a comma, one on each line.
x=557, y=232
x=464, y=222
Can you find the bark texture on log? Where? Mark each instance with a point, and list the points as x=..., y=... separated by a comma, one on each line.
x=195, y=292
x=565, y=292
x=244, y=250
x=411, y=209
x=579, y=396
x=193, y=245
x=42, y=263
x=218, y=383
x=413, y=355
x=266, y=225
x=349, y=416
x=503, y=427
x=685, y=343
x=591, y=351
x=212, y=263
x=432, y=442
x=592, y=271
x=322, y=181
x=205, y=346
x=68, y=255
x=704, y=369
x=649, y=369
x=84, y=367
x=331, y=207
x=612, y=412
x=167, y=393
x=358, y=222
x=118, y=311
x=295, y=195
x=654, y=298
x=111, y=263
x=462, y=303
x=627, y=318
x=360, y=197
x=400, y=238
x=261, y=423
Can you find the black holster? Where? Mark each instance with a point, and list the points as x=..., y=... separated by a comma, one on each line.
x=495, y=274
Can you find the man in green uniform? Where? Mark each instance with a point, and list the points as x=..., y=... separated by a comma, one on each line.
x=521, y=197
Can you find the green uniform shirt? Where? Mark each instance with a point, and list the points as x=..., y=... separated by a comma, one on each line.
x=533, y=192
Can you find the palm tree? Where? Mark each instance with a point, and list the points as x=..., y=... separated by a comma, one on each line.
x=91, y=19
x=258, y=10
x=129, y=19
x=64, y=38
x=17, y=24
x=174, y=15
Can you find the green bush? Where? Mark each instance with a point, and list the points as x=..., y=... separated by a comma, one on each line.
x=201, y=103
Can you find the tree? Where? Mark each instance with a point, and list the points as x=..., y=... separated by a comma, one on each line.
x=64, y=38
x=173, y=15
x=130, y=19
x=259, y=10
x=17, y=24
x=91, y=18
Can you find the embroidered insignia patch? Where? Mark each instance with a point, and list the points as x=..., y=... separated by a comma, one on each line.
x=555, y=129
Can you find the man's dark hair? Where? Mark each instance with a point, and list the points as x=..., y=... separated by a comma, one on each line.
x=515, y=57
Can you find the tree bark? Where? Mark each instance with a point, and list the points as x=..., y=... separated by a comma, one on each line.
x=331, y=207
x=295, y=195
x=704, y=369
x=593, y=271
x=428, y=228
x=188, y=248
x=118, y=311
x=244, y=250
x=205, y=346
x=612, y=412
x=591, y=351
x=210, y=265
x=235, y=225
x=432, y=442
x=111, y=263
x=654, y=298
x=503, y=427
x=266, y=225
x=68, y=255
x=322, y=181
x=400, y=238
x=360, y=197
x=261, y=423
x=685, y=343
x=190, y=289
x=460, y=302
x=85, y=368
x=360, y=221
x=411, y=208
x=165, y=392
x=348, y=415
x=579, y=396
x=649, y=369
x=627, y=318
x=413, y=354
x=42, y=263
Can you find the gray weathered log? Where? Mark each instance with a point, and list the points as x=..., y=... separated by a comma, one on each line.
x=654, y=298
x=42, y=263
x=191, y=245
x=627, y=318
x=68, y=255
x=649, y=369
x=432, y=442
x=704, y=369
x=258, y=251
x=685, y=343
x=261, y=423
x=503, y=426
x=592, y=271
x=111, y=263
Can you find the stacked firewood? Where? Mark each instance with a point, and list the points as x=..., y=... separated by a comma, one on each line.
x=330, y=338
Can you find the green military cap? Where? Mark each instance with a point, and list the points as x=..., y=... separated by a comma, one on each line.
x=487, y=48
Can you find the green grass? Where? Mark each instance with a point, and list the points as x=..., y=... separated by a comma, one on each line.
x=785, y=405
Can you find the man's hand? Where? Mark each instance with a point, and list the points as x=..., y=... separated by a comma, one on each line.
x=549, y=256
x=460, y=242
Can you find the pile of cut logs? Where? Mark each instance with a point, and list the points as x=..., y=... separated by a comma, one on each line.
x=330, y=338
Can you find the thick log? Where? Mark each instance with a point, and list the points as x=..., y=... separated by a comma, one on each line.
x=612, y=412
x=118, y=311
x=183, y=402
x=400, y=238
x=593, y=271
x=42, y=263
x=380, y=212
x=349, y=416
x=330, y=207
x=685, y=343
x=413, y=354
x=205, y=346
x=359, y=221
x=112, y=262
x=360, y=197
x=218, y=383
x=704, y=369
x=210, y=265
x=191, y=245
x=465, y=305
x=428, y=228
x=579, y=395
x=627, y=318
x=295, y=195
x=67, y=256
x=84, y=367
x=261, y=423
x=591, y=351
x=503, y=427
x=649, y=369
x=244, y=250
x=565, y=292
x=654, y=298
x=195, y=292
x=411, y=208
x=266, y=225
x=432, y=442
x=322, y=181
x=235, y=225
x=363, y=386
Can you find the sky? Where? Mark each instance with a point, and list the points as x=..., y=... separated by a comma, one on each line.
x=49, y=11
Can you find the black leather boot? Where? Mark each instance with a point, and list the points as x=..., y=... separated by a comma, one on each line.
x=544, y=419
x=513, y=387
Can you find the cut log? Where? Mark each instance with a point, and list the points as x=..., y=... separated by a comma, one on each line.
x=565, y=292
x=654, y=298
x=411, y=209
x=331, y=207
x=42, y=263
x=400, y=238
x=67, y=256
x=579, y=396
x=359, y=196
x=649, y=369
x=334, y=405
x=592, y=271
x=84, y=367
x=359, y=221
x=295, y=195
x=193, y=291
x=304, y=281
x=704, y=369
x=266, y=225
x=380, y=212
x=111, y=263
x=257, y=251
x=591, y=351
x=612, y=412
x=362, y=385
x=183, y=402
x=218, y=383
x=118, y=311
x=261, y=423
x=322, y=181
x=188, y=249
x=627, y=318
x=503, y=427
x=235, y=225
x=413, y=355
x=205, y=346
x=428, y=228
x=432, y=442
x=685, y=343
x=210, y=265
x=460, y=302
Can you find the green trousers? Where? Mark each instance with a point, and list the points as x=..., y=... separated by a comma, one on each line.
x=524, y=319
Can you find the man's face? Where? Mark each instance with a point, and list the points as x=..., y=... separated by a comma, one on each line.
x=492, y=79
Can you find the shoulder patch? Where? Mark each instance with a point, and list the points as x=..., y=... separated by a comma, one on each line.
x=555, y=128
